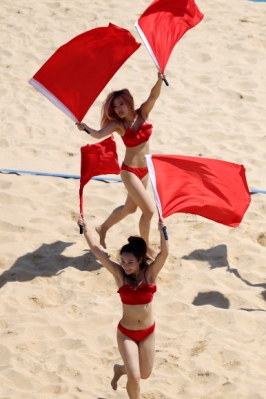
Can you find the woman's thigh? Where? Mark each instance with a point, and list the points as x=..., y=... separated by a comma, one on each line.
x=137, y=190
x=146, y=355
x=130, y=354
x=130, y=205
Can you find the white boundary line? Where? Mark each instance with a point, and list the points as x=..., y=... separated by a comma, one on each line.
x=38, y=86
x=153, y=183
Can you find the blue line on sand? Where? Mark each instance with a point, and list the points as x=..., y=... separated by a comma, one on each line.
x=257, y=191
x=258, y=1
x=26, y=172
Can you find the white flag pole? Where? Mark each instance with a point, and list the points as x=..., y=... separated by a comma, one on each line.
x=51, y=97
x=155, y=192
x=146, y=43
x=46, y=93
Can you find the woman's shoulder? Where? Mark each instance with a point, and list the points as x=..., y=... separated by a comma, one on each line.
x=120, y=278
x=150, y=273
x=116, y=126
x=147, y=273
x=139, y=112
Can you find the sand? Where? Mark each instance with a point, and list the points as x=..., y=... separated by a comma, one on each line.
x=59, y=307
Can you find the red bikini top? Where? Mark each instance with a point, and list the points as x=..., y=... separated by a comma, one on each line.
x=133, y=138
x=140, y=295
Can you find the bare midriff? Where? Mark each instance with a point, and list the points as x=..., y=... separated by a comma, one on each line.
x=137, y=317
x=135, y=156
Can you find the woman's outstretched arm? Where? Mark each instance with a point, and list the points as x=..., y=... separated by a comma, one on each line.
x=155, y=267
x=111, y=266
x=148, y=105
x=111, y=127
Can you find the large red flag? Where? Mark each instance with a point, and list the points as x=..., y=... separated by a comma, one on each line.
x=97, y=159
x=163, y=24
x=73, y=77
x=211, y=188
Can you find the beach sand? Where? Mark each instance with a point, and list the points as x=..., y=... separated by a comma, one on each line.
x=59, y=308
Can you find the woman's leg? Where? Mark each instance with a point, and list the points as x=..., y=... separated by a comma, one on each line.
x=146, y=355
x=137, y=197
x=137, y=191
x=118, y=214
x=119, y=370
x=129, y=351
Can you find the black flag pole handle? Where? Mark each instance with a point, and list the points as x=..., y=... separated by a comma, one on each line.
x=163, y=228
x=81, y=227
x=163, y=77
x=165, y=233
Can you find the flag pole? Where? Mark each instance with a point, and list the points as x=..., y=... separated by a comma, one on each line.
x=81, y=208
x=164, y=230
x=156, y=197
x=146, y=43
x=51, y=97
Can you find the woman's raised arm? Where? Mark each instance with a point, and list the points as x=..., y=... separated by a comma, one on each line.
x=155, y=267
x=111, y=266
x=148, y=105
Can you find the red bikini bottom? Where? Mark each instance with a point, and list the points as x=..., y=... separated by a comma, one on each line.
x=139, y=172
x=137, y=335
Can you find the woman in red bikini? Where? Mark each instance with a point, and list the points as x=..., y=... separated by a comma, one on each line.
x=136, y=281
x=119, y=115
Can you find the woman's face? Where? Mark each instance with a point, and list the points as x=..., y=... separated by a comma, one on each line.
x=129, y=263
x=120, y=107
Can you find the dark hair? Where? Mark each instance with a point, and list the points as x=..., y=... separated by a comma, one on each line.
x=137, y=247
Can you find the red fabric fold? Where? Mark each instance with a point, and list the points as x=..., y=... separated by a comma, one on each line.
x=97, y=159
x=164, y=22
x=79, y=70
x=211, y=188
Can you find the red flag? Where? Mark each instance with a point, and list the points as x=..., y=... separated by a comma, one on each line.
x=211, y=188
x=77, y=72
x=97, y=159
x=163, y=24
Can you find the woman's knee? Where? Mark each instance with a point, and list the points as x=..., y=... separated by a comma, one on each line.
x=134, y=378
x=148, y=212
x=131, y=209
x=144, y=375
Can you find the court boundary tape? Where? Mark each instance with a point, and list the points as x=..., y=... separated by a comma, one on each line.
x=65, y=176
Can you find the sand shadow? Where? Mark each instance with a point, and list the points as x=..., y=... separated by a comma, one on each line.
x=214, y=298
x=46, y=261
x=217, y=257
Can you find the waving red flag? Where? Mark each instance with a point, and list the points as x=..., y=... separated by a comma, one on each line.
x=211, y=188
x=73, y=77
x=163, y=24
x=97, y=159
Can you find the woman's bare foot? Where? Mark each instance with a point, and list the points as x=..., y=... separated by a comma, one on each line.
x=118, y=372
x=102, y=234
